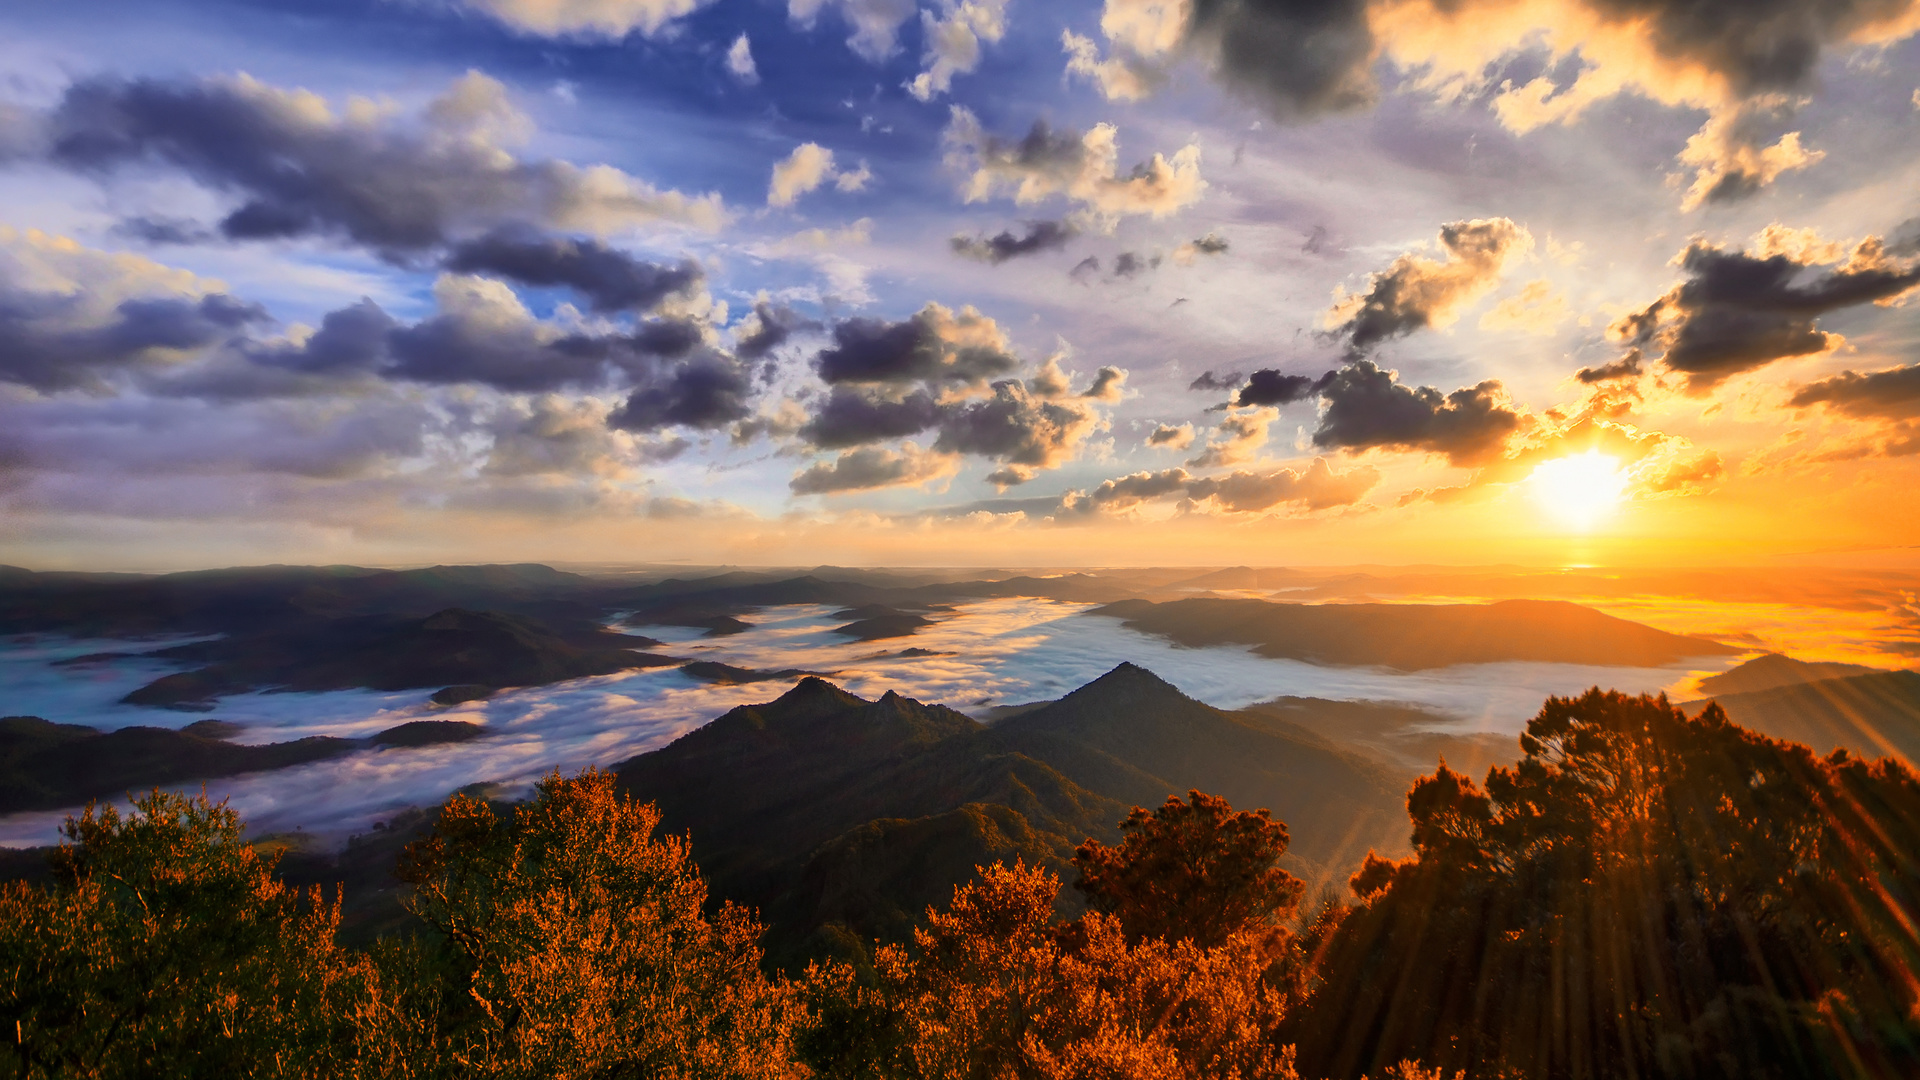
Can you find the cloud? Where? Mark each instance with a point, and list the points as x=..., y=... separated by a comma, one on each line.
x=1888, y=394
x=73, y=318
x=740, y=61
x=1738, y=311
x=953, y=42
x=610, y=280
x=607, y=19
x=1109, y=386
x=1368, y=408
x=851, y=418
x=1166, y=437
x=876, y=23
x=1627, y=367
x=1040, y=236
x=1210, y=244
x=1128, y=264
x=808, y=168
x=1209, y=381
x=483, y=334
x=1022, y=430
x=552, y=435
x=1124, y=493
x=365, y=175
x=1732, y=160
x=767, y=328
x=706, y=392
x=1417, y=292
x=1270, y=387
x=936, y=346
x=1535, y=309
x=871, y=467
x=160, y=229
x=1082, y=167
x=1236, y=438
x=1316, y=487
x=1296, y=59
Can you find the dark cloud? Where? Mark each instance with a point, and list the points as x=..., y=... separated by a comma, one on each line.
x=1319, y=241
x=851, y=418
x=299, y=170
x=1209, y=381
x=47, y=343
x=1298, y=58
x=1173, y=438
x=1417, y=292
x=1890, y=394
x=1107, y=385
x=1367, y=408
x=1128, y=264
x=155, y=229
x=468, y=347
x=706, y=392
x=1125, y=492
x=1023, y=431
x=1270, y=387
x=772, y=326
x=610, y=280
x=934, y=346
x=1210, y=244
x=1761, y=47
x=1040, y=236
x=1085, y=268
x=1627, y=367
x=1738, y=311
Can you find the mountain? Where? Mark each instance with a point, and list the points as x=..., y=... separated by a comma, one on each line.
x=1413, y=637
x=45, y=766
x=1774, y=670
x=454, y=647
x=1872, y=715
x=842, y=818
x=1135, y=738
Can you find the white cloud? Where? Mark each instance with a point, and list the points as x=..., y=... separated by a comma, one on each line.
x=876, y=23
x=806, y=169
x=953, y=43
x=586, y=18
x=740, y=61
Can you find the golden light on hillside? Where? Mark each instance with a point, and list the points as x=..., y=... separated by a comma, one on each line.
x=1578, y=491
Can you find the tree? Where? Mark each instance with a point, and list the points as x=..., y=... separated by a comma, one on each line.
x=168, y=948
x=1643, y=894
x=1192, y=871
x=573, y=942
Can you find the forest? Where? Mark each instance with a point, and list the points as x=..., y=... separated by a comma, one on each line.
x=1643, y=893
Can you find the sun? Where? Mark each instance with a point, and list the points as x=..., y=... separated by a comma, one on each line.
x=1578, y=491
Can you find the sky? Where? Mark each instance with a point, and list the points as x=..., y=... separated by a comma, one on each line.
x=986, y=282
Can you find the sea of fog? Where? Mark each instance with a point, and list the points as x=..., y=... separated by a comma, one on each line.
x=996, y=652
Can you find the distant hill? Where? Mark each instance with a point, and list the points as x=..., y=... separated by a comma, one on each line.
x=1872, y=715
x=839, y=816
x=1414, y=637
x=1772, y=670
x=455, y=647
x=45, y=766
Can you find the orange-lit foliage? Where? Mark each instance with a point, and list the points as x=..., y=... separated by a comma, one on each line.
x=170, y=949
x=992, y=989
x=1644, y=894
x=573, y=943
x=1191, y=871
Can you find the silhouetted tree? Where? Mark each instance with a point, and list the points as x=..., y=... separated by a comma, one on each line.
x=1193, y=871
x=1643, y=894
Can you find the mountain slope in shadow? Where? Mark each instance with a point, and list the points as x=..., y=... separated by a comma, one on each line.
x=1774, y=670
x=842, y=818
x=1872, y=715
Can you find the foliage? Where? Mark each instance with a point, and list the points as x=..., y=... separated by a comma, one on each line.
x=1191, y=871
x=170, y=949
x=1644, y=894
x=572, y=942
x=991, y=988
